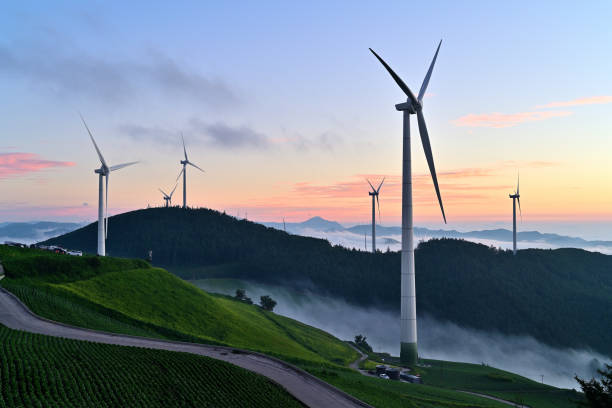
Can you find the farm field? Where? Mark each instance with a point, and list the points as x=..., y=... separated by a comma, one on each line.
x=39, y=370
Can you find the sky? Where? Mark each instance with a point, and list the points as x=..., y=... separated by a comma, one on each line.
x=288, y=113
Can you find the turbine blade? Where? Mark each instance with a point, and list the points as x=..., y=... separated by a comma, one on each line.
x=397, y=79
x=172, y=192
x=518, y=182
x=94, y=142
x=184, y=149
x=162, y=191
x=378, y=202
x=373, y=189
x=120, y=166
x=428, y=76
x=106, y=210
x=190, y=163
x=519, y=203
x=179, y=175
x=380, y=185
x=429, y=156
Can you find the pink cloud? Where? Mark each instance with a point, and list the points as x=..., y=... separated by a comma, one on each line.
x=502, y=120
x=591, y=100
x=15, y=164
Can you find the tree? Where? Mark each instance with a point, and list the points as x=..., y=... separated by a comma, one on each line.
x=598, y=393
x=267, y=303
x=240, y=294
x=361, y=342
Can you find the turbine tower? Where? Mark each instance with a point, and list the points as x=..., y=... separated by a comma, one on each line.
x=168, y=197
x=516, y=197
x=184, y=172
x=374, y=194
x=413, y=105
x=103, y=172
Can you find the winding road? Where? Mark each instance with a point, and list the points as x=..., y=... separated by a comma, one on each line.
x=306, y=388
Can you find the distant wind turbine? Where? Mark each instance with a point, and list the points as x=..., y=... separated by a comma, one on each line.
x=168, y=197
x=103, y=172
x=408, y=330
x=374, y=194
x=516, y=197
x=184, y=172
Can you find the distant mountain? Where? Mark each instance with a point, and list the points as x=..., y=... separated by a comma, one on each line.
x=319, y=224
x=35, y=231
x=314, y=223
x=561, y=297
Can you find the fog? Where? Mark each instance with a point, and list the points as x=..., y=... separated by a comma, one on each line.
x=349, y=239
x=437, y=340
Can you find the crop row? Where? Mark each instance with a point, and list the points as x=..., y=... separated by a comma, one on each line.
x=43, y=371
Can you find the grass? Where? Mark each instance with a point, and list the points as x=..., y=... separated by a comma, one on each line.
x=395, y=394
x=495, y=382
x=38, y=370
x=112, y=295
x=159, y=298
x=131, y=297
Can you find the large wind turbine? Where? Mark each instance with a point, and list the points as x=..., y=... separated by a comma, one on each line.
x=374, y=194
x=168, y=197
x=103, y=171
x=408, y=333
x=184, y=172
x=516, y=197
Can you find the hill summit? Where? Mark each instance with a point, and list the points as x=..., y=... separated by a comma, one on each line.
x=561, y=297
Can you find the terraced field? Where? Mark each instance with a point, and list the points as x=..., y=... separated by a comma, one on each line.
x=42, y=371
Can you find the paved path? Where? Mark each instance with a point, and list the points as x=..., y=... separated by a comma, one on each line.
x=306, y=388
x=355, y=364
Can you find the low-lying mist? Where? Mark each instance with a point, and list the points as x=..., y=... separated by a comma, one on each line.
x=437, y=340
x=349, y=239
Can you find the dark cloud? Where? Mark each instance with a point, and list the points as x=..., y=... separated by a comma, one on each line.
x=224, y=136
x=198, y=132
x=72, y=72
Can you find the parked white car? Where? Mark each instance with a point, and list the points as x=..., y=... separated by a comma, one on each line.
x=384, y=376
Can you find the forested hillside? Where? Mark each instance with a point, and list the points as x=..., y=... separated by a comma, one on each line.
x=561, y=297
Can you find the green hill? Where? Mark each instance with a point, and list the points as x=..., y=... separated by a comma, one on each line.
x=560, y=297
x=130, y=296
x=148, y=298
x=42, y=371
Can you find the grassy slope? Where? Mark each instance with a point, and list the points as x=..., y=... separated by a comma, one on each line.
x=490, y=381
x=151, y=302
x=158, y=297
x=45, y=371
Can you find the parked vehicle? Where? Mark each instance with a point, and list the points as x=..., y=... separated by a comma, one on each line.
x=384, y=376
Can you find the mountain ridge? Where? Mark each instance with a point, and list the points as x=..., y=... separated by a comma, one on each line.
x=560, y=295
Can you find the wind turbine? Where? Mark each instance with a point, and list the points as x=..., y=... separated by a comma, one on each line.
x=516, y=197
x=184, y=172
x=408, y=331
x=168, y=197
x=103, y=171
x=374, y=194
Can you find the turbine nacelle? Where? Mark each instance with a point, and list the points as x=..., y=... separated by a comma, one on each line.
x=409, y=106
